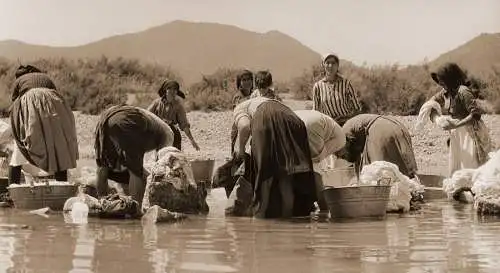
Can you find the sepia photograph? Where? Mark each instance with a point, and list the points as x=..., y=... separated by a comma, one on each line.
x=250, y=136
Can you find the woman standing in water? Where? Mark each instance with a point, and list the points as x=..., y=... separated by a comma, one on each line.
x=170, y=109
x=325, y=138
x=43, y=126
x=123, y=135
x=470, y=142
x=371, y=137
x=334, y=95
x=282, y=171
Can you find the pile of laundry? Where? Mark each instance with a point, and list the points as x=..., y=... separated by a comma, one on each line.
x=171, y=185
x=483, y=183
x=171, y=192
x=403, y=189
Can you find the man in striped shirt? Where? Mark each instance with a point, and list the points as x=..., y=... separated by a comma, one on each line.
x=334, y=95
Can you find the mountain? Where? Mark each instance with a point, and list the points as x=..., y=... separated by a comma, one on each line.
x=190, y=49
x=477, y=56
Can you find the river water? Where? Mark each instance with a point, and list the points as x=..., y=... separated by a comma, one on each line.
x=442, y=237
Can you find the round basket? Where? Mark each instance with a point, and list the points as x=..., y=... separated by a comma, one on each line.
x=202, y=169
x=357, y=202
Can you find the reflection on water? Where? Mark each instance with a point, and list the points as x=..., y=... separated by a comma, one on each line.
x=443, y=237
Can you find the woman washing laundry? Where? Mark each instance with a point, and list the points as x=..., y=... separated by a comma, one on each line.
x=123, y=135
x=371, y=137
x=170, y=109
x=43, y=126
x=282, y=170
x=325, y=138
x=470, y=142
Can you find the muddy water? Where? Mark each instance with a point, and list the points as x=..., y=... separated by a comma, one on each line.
x=443, y=237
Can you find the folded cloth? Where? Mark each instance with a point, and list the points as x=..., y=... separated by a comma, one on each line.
x=240, y=200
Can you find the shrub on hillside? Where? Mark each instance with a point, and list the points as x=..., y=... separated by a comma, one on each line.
x=391, y=89
x=92, y=85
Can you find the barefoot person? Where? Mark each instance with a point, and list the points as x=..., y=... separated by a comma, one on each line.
x=123, y=135
x=282, y=175
x=43, y=126
x=169, y=108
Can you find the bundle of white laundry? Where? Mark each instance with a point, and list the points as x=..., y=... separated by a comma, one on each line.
x=483, y=183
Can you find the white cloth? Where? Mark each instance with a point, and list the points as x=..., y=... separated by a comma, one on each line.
x=386, y=173
x=425, y=112
x=462, y=150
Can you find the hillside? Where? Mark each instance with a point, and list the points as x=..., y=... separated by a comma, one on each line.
x=478, y=55
x=191, y=49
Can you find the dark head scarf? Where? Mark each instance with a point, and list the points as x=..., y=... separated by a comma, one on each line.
x=170, y=84
x=451, y=76
x=26, y=69
x=243, y=74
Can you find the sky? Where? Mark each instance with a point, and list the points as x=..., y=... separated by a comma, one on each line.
x=363, y=31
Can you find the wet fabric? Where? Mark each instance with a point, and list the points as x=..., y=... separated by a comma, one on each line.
x=280, y=149
x=171, y=185
x=373, y=138
x=119, y=206
x=44, y=129
x=226, y=175
x=239, y=201
x=125, y=133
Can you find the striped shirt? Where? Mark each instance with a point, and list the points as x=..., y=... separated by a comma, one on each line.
x=337, y=99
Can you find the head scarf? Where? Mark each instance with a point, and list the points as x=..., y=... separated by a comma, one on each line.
x=170, y=84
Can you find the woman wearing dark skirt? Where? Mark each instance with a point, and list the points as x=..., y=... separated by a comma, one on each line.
x=170, y=109
x=371, y=137
x=282, y=171
x=43, y=126
x=123, y=135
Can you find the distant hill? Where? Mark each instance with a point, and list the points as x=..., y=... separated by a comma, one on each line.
x=478, y=55
x=191, y=49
